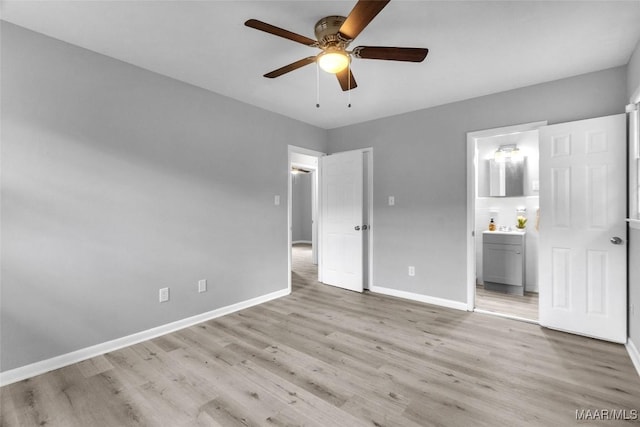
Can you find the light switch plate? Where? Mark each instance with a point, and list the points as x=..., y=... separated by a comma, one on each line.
x=276, y=200
x=202, y=285
x=392, y=201
x=164, y=294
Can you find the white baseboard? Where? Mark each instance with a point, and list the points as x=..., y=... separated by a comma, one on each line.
x=419, y=297
x=506, y=316
x=306, y=242
x=634, y=354
x=37, y=368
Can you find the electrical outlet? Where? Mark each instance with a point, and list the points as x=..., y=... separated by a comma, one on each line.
x=202, y=285
x=392, y=201
x=412, y=270
x=164, y=295
x=276, y=200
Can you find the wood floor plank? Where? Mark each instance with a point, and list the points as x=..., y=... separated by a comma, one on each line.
x=304, y=406
x=525, y=306
x=233, y=393
x=313, y=405
x=323, y=356
x=94, y=366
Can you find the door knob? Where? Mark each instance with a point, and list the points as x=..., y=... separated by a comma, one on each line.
x=357, y=227
x=616, y=240
x=364, y=227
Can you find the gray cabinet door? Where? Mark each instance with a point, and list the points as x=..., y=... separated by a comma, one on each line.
x=503, y=264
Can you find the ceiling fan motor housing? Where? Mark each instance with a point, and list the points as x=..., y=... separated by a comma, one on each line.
x=327, y=30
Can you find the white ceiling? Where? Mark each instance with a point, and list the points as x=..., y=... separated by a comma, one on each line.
x=476, y=47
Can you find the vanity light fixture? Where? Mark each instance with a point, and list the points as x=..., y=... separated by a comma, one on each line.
x=298, y=171
x=509, y=153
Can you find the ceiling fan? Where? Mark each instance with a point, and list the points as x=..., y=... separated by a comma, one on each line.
x=334, y=34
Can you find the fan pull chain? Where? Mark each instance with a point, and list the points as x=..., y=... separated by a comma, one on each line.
x=349, y=85
x=317, y=85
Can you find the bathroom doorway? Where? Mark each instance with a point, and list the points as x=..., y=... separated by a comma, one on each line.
x=504, y=205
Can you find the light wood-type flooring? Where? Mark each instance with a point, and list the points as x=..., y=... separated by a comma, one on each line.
x=525, y=306
x=328, y=357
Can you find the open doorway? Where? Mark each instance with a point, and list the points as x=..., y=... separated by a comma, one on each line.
x=303, y=205
x=503, y=212
x=346, y=218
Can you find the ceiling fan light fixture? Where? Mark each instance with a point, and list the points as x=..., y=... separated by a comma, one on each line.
x=333, y=61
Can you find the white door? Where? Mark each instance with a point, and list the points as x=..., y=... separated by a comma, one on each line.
x=582, y=248
x=342, y=193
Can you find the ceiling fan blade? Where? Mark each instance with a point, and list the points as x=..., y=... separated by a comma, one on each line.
x=346, y=79
x=410, y=54
x=362, y=13
x=291, y=67
x=276, y=31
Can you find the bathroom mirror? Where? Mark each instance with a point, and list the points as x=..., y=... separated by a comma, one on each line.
x=506, y=178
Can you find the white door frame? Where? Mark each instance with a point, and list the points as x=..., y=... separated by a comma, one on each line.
x=294, y=149
x=368, y=283
x=472, y=165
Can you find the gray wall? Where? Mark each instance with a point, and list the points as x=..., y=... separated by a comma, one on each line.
x=301, y=220
x=116, y=182
x=633, y=85
x=420, y=158
x=633, y=71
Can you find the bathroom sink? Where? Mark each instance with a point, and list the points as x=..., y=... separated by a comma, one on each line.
x=510, y=232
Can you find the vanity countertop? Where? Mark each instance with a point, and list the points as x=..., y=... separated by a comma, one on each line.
x=507, y=233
